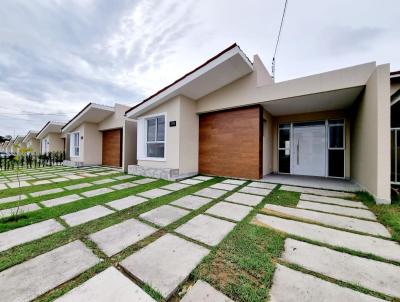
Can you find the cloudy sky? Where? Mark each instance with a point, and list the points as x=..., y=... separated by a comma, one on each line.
x=56, y=56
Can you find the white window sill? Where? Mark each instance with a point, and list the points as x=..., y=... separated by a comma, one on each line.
x=153, y=158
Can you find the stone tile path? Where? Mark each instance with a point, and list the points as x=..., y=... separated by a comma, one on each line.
x=15, y=184
x=109, y=285
x=97, y=192
x=122, y=177
x=154, y=193
x=333, y=200
x=28, y=233
x=32, y=278
x=293, y=286
x=191, y=181
x=79, y=186
x=174, y=259
x=352, y=224
x=256, y=191
x=245, y=199
x=361, y=243
x=335, y=209
x=203, y=178
x=317, y=192
x=61, y=200
x=234, y=182
x=206, y=229
x=230, y=211
x=20, y=210
x=175, y=186
x=46, y=192
x=126, y=202
x=224, y=186
x=262, y=185
x=125, y=185
x=201, y=291
x=191, y=202
x=374, y=275
x=59, y=179
x=164, y=215
x=118, y=237
x=13, y=198
x=145, y=181
x=103, y=181
x=86, y=215
x=41, y=182
x=210, y=193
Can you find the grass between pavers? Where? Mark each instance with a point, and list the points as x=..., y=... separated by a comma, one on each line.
x=65, y=192
x=388, y=215
x=81, y=231
x=84, y=203
x=35, y=188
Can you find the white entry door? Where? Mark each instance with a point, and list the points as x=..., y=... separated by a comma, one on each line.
x=309, y=150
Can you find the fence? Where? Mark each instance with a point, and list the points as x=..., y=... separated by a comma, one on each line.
x=12, y=162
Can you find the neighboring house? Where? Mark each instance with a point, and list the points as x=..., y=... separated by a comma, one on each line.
x=395, y=126
x=7, y=146
x=101, y=135
x=14, y=148
x=228, y=117
x=18, y=144
x=31, y=142
x=50, y=138
x=2, y=147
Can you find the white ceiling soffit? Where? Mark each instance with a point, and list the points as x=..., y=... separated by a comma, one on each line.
x=324, y=101
x=94, y=113
x=225, y=69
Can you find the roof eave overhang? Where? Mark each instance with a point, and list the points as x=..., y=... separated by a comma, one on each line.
x=50, y=127
x=82, y=116
x=198, y=75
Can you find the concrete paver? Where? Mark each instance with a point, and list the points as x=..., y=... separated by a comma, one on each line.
x=175, y=186
x=97, y=192
x=32, y=278
x=116, y=238
x=229, y=210
x=40, y=182
x=13, y=198
x=361, y=243
x=262, y=185
x=164, y=215
x=317, y=191
x=59, y=179
x=79, y=186
x=191, y=202
x=154, y=193
x=210, y=193
x=165, y=263
x=204, y=292
x=224, y=186
x=126, y=202
x=46, y=192
x=333, y=200
x=234, y=182
x=28, y=233
x=125, y=185
x=292, y=286
x=103, y=181
x=191, y=181
x=348, y=223
x=20, y=210
x=16, y=184
x=374, y=275
x=122, y=177
x=335, y=209
x=109, y=285
x=206, y=229
x=145, y=181
x=256, y=191
x=86, y=215
x=203, y=178
x=245, y=199
x=61, y=200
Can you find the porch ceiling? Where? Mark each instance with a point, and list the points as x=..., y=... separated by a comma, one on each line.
x=324, y=101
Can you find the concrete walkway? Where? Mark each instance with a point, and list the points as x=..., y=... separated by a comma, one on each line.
x=335, y=266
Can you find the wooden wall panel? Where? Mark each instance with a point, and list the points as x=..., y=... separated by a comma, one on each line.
x=112, y=148
x=230, y=143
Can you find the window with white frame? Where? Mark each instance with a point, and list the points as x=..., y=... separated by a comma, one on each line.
x=155, y=137
x=75, y=144
x=45, y=146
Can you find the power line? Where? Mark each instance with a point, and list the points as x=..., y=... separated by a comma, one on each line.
x=278, y=39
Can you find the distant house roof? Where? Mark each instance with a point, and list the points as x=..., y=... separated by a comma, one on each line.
x=91, y=113
x=218, y=71
x=31, y=134
x=50, y=127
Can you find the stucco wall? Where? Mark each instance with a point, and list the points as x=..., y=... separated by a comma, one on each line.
x=93, y=140
x=172, y=110
x=188, y=137
x=370, y=152
x=115, y=120
x=56, y=143
x=129, y=150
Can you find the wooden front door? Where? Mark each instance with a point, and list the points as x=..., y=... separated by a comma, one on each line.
x=112, y=148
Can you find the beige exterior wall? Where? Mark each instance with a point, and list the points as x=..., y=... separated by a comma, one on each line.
x=172, y=111
x=115, y=120
x=93, y=140
x=56, y=143
x=33, y=144
x=309, y=117
x=129, y=147
x=370, y=153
